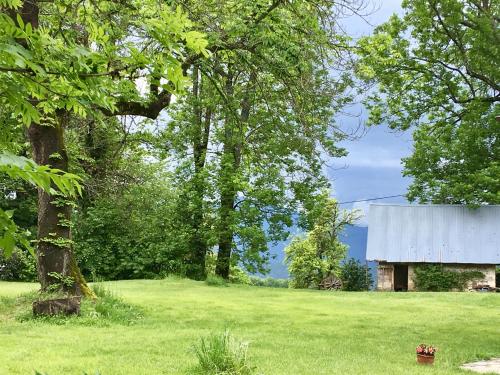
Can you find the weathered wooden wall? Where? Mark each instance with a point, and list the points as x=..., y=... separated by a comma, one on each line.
x=385, y=277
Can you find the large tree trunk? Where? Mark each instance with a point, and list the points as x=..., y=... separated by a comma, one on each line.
x=230, y=166
x=55, y=259
x=201, y=133
x=226, y=234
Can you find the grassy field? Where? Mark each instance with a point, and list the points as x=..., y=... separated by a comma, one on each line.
x=290, y=331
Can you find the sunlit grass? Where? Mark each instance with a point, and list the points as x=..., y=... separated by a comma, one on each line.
x=289, y=331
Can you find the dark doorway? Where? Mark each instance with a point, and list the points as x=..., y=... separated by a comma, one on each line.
x=400, y=277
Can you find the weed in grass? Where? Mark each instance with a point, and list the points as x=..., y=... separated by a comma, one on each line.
x=113, y=308
x=222, y=354
x=214, y=280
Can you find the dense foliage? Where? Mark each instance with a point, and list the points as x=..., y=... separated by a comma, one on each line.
x=435, y=278
x=436, y=70
x=20, y=266
x=355, y=276
x=244, y=144
x=127, y=234
x=316, y=256
x=62, y=62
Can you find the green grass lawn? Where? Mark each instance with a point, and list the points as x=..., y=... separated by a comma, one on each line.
x=290, y=331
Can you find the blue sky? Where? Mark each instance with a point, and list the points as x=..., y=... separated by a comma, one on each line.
x=373, y=167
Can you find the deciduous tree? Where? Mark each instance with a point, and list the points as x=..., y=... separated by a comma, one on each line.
x=258, y=127
x=437, y=72
x=63, y=59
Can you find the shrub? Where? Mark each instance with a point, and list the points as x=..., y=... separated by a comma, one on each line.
x=434, y=278
x=214, y=280
x=112, y=308
x=269, y=282
x=355, y=276
x=221, y=354
x=315, y=257
x=304, y=265
x=129, y=234
x=238, y=276
x=21, y=266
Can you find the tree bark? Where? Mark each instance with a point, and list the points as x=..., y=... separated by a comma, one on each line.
x=54, y=254
x=55, y=259
x=198, y=243
x=226, y=234
x=230, y=166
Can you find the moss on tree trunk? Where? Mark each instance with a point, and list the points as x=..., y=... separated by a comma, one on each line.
x=55, y=258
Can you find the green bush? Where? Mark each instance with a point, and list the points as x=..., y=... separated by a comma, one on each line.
x=317, y=256
x=112, y=308
x=21, y=266
x=434, y=278
x=355, y=276
x=126, y=235
x=269, y=282
x=221, y=354
x=304, y=265
x=238, y=276
x=214, y=280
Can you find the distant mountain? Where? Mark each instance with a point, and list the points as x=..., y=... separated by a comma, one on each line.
x=354, y=236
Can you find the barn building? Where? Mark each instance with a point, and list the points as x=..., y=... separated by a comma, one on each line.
x=401, y=237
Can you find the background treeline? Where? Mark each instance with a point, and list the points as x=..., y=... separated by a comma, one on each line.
x=239, y=156
x=252, y=90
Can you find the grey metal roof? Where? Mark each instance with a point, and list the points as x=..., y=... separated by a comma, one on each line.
x=434, y=233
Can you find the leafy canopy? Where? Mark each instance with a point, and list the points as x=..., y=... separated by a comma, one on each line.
x=436, y=70
x=313, y=258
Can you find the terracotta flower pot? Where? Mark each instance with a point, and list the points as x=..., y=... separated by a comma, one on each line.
x=424, y=359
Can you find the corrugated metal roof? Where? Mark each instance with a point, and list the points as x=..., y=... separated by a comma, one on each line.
x=434, y=234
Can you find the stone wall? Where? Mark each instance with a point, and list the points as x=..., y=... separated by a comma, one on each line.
x=385, y=274
x=487, y=269
x=411, y=275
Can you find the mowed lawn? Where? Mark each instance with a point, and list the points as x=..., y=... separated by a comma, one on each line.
x=290, y=331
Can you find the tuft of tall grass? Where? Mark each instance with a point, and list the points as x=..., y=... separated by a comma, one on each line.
x=112, y=308
x=222, y=354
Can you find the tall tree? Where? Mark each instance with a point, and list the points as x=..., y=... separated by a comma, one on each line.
x=266, y=100
x=437, y=71
x=85, y=61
